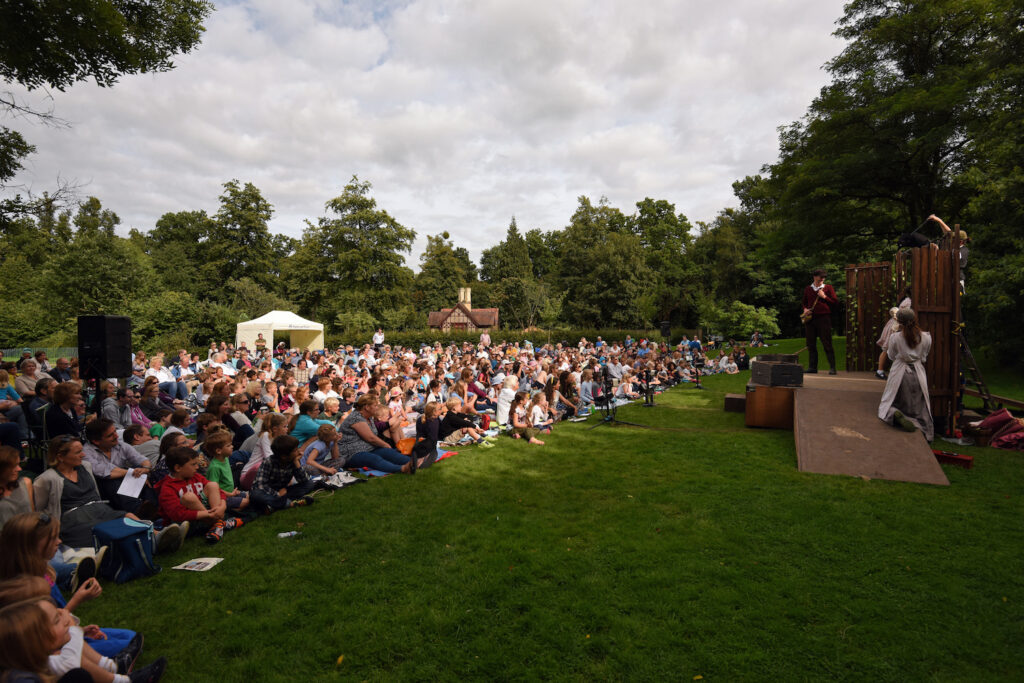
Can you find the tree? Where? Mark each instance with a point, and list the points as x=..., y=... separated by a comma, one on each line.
x=882, y=145
x=45, y=44
x=240, y=244
x=665, y=239
x=352, y=261
x=180, y=243
x=443, y=270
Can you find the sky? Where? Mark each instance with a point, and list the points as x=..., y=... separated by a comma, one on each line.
x=461, y=113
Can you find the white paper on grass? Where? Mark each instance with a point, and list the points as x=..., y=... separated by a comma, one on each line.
x=201, y=564
x=131, y=486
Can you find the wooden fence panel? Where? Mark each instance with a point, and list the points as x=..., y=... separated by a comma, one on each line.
x=869, y=291
x=934, y=276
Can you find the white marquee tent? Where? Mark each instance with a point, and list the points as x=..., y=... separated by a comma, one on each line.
x=304, y=334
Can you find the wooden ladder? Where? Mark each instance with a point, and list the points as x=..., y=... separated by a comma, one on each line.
x=972, y=375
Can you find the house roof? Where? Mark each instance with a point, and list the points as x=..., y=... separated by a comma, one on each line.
x=481, y=317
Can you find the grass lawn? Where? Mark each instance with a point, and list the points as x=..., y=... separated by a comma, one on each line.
x=611, y=554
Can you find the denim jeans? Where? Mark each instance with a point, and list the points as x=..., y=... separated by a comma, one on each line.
x=383, y=459
x=16, y=415
x=268, y=502
x=174, y=389
x=63, y=569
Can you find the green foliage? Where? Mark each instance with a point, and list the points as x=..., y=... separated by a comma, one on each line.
x=352, y=261
x=738, y=320
x=355, y=324
x=443, y=270
x=41, y=45
x=240, y=244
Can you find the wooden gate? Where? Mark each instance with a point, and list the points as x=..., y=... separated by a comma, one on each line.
x=934, y=278
x=869, y=295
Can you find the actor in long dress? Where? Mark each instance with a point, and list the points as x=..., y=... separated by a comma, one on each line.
x=905, y=402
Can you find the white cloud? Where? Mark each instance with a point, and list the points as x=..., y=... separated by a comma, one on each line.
x=461, y=113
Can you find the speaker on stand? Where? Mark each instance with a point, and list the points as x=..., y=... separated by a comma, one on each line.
x=104, y=346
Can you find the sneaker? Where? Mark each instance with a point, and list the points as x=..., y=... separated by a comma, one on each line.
x=83, y=571
x=168, y=539
x=879, y=374
x=811, y=371
x=485, y=444
x=302, y=502
x=233, y=523
x=832, y=371
x=216, y=532
x=125, y=659
x=184, y=534
x=150, y=674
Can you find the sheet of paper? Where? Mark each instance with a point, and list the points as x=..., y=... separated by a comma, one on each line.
x=201, y=564
x=131, y=485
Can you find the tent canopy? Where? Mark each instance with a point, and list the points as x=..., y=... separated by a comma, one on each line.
x=304, y=334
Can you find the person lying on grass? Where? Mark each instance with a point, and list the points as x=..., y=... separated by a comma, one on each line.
x=75, y=653
x=521, y=428
x=455, y=425
x=182, y=493
x=272, y=491
x=218, y=449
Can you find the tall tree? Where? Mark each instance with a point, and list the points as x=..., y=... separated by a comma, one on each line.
x=351, y=261
x=443, y=270
x=240, y=240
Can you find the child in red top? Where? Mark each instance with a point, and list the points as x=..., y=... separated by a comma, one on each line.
x=186, y=495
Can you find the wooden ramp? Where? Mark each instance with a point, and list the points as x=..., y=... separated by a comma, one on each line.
x=837, y=431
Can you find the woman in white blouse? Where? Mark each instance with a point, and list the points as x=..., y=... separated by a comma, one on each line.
x=168, y=384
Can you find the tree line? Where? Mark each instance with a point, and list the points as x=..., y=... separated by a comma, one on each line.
x=922, y=115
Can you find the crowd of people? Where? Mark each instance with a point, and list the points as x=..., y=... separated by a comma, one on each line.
x=244, y=432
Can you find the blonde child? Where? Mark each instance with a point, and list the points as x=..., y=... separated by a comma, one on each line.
x=539, y=413
x=320, y=457
x=218, y=449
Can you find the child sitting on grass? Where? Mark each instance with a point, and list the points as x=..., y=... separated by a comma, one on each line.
x=75, y=652
x=540, y=416
x=455, y=425
x=520, y=422
x=182, y=493
x=271, y=490
x=218, y=448
x=320, y=457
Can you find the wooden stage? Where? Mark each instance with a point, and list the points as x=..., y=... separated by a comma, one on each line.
x=837, y=431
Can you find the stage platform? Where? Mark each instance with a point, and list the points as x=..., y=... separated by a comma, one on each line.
x=837, y=431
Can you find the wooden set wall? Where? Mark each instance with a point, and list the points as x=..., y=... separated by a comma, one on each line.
x=934, y=279
x=869, y=291
x=873, y=288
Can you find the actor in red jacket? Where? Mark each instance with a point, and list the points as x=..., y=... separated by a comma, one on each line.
x=819, y=298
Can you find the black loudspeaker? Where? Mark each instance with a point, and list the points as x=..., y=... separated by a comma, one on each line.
x=104, y=346
x=666, y=329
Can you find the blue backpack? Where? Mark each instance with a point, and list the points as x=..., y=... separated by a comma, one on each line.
x=130, y=545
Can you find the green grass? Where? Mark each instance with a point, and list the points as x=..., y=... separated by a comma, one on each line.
x=611, y=554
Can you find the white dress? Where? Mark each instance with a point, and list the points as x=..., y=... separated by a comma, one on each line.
x=906, y=390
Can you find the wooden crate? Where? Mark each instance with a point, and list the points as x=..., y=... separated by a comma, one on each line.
x=770, y=407
x=776, y=374
x=735, y=403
